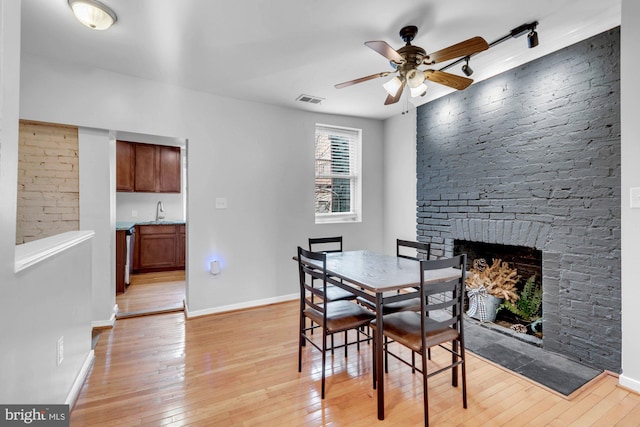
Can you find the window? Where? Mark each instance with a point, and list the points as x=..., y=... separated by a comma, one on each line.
x=337, y=165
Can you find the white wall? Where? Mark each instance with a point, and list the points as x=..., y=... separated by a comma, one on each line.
x=630, y=63
x=97, y=154
x=259, y=157
x=144, y=205
x=48, y=300
x=399, y=180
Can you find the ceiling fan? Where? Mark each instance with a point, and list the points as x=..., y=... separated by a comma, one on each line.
x=408, y=58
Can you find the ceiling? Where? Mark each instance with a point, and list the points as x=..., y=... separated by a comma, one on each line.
x=272, y=51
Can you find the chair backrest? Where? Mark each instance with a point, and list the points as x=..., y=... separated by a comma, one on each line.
x=325, y=244
x=312, y=266
x=412, y=250
x=443, y=302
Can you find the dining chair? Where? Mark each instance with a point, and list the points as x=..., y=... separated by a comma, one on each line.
x=331, y=316
x=403, y=250
x=328, y=245
x=439, y=322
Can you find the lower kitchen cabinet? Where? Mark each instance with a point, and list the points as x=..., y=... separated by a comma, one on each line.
x=181, y=246
x=121, y=260
x=159, y=247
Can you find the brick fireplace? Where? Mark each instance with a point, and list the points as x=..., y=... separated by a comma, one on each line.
x=531, y=158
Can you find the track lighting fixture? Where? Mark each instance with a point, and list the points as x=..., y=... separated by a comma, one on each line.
x=465, y=68
x=532, y=38
x=528, y=29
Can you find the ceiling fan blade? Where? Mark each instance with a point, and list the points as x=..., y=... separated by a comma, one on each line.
x=362, y=79
x=385, y=50
x=447, y=79
x=393, y=99
x=465, y=48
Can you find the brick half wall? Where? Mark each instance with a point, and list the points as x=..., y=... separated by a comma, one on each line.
x=48, y=181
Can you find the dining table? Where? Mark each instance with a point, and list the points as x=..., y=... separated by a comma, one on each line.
x=377, y=277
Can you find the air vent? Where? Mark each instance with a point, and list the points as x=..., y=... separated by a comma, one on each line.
x=309, y=99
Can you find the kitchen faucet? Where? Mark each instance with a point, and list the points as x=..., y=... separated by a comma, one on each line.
x=159, y=211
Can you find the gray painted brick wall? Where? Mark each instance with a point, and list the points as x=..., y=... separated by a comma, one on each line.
x=531, y=157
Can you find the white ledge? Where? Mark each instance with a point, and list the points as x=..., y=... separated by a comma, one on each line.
x=31, y=253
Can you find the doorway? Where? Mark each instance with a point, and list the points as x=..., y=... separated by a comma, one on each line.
x=152, y=293
x=156, y=280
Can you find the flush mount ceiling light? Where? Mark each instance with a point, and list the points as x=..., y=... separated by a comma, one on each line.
x=93, y=14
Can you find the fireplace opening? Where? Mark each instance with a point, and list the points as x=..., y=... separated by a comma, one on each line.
x=522, y=315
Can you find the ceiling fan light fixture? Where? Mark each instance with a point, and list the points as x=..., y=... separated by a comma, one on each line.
x=392, y=85
x=93, y=14
x=419, y=90
x=415, y=78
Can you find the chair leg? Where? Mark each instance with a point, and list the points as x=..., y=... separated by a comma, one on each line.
x=346, y=342
x=386, y=355
x=373, y=358
x=301, y=341
x=454, y=359
x=413, y=362
x=464, y=376
x=425, y=388
x=332, y=345
x=324, y=359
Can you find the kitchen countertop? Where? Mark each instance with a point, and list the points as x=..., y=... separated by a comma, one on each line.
x=126, y=225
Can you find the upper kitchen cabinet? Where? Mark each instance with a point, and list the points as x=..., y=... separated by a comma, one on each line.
x=169, y=176
x=124, y=166
x=156, y=168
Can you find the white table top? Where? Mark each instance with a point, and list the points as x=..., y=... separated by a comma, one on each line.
x=380, y=273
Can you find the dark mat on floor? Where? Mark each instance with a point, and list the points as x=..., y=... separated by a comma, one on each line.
x=544, y=367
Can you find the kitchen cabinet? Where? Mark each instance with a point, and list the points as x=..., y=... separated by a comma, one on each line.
x=181, y=246
x=159, y=247
x=148, y=168
x=124, y=166
x=169, y=169
x=121, y=258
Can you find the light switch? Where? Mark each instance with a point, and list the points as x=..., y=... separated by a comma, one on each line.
x=221, y=203
x=635, y=198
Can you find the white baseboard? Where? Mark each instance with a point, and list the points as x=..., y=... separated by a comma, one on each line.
x=233, y=307
x=79, y=381
x=629, y=383
x=106, y=323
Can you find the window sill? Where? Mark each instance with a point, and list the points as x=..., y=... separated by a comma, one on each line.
x=337, y=219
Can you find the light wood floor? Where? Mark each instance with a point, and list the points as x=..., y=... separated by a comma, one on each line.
x=153, y=292
x=240, y=369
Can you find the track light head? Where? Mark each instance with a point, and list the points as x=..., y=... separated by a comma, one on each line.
x=466, y=69
x=532, y=39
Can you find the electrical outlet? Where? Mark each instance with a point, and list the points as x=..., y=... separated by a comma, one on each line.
x=221, y=203
x=60, y=351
